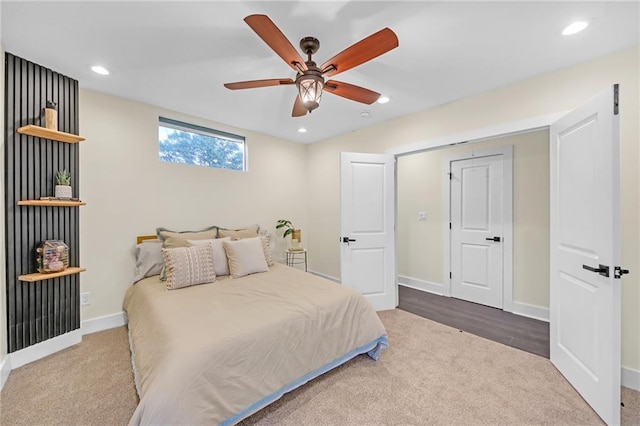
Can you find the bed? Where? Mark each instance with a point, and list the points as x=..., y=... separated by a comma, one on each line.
x=217, y=353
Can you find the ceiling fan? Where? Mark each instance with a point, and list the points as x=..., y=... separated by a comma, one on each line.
x=310, y=79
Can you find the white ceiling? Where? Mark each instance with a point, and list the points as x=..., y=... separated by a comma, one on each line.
x=177, y=55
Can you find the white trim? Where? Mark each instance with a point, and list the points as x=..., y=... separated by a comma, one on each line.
x=507, y=218
x=631, y=378
x=530, y=311
x=106, y=322
x=5, y=370
x=329, y=277
x=446, y=231
x=477, y=135
x=428, y=286
x=43, y=349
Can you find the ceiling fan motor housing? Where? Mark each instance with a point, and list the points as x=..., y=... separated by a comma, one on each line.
x=309, y=45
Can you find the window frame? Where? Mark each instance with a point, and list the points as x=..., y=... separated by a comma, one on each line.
x=205, y=131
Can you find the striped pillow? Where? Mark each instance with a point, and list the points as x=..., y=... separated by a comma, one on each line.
x=220, y=262
x=266, y=245
x=187, y=266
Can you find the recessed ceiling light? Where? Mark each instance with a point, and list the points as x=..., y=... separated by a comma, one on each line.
x=365, y=114
x=576, y=27
x=100, y=70
x=302, y=130
x=383, y=99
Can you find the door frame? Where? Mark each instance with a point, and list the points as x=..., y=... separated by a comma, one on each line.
x=533, y=124
x=507, y=219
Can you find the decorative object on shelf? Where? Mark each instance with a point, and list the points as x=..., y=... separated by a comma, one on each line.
x=59, y=199
x=53, y=256
x=51, y=116
x=63, y=185
x=296, y=234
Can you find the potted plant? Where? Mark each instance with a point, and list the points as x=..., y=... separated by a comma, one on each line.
x=63, y=184
x=289, y=229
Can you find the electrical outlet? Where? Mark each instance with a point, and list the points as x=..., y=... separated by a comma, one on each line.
x=422, y=215
x=85, y=298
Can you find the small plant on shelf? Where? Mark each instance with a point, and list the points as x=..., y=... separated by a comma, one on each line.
x=63, y=177
x=63, y=184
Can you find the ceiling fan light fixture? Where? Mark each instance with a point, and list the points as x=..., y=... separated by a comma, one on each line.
x=310, y=89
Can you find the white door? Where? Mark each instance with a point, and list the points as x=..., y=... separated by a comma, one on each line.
x=477, y=230
x=585, y=218
x=367, y=225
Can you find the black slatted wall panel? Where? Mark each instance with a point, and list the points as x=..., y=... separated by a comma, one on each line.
x=37, y=311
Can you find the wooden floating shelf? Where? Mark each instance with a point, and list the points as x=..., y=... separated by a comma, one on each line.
x=39, y=277
x=53, y=203
x=42, y=132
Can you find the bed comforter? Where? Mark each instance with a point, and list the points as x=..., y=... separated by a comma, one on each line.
x=216, y=353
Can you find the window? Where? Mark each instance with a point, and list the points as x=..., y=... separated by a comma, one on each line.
x=190, y=144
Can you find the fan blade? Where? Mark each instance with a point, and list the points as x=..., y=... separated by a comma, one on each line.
x=361, y=52
x=299, y=109
x=258, y=83
x=350, y=91
x=270, y=34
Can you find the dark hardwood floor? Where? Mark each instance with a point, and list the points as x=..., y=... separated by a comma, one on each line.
x=512, y=330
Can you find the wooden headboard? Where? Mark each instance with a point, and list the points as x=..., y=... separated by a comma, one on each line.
x=141, y=238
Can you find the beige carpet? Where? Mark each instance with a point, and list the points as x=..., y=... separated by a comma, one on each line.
x=431, y=374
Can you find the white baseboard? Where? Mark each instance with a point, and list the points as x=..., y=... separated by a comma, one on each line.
x=329, y=277
x=431, y=287
x=531, y=311
x=43, y=349
x=631, y=378
x=106, y=322
x=5, y=369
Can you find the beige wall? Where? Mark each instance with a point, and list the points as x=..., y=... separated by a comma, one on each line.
x=552, y=92
x=420, y=244
x=130, y=192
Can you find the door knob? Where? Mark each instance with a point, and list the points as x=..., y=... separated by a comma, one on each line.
x=347, y=240
x=601, y=269
x=618, y=272
x=496, y=239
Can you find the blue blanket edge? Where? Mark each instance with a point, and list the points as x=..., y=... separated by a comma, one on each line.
x=372, y=349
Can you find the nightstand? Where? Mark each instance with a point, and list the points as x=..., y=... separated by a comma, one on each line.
x=296, y=257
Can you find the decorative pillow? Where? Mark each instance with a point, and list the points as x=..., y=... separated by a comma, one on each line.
x=245, y=256
x=248, y=232
x=266, y=245
x=172, y=239
x=220, y=262
x=187, y=266
x=148, y=259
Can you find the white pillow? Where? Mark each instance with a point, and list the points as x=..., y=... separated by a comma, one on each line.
x=245, y=257
x=187, y=266
x=220, y=262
